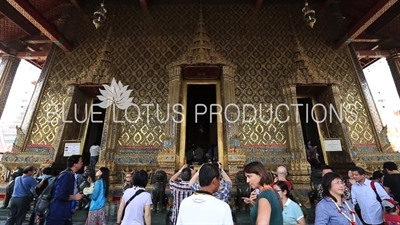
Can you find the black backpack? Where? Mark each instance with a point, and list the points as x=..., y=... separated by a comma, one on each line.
x=41, y=189
x=45, y=198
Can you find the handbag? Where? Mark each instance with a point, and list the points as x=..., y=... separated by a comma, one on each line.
x=138, y=192
x=31, y=196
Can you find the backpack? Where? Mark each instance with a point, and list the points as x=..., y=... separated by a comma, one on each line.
x=41, y=189
x=45, y=198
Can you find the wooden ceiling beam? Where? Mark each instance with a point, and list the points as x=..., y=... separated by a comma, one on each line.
x=35, y=63
x=37, y=39
x=144, y=4
x=36, y=18
x=361, y=25
x=385, y=19
x=366, y=40
x=12, y=14
x=30, y=55
x=372, y=53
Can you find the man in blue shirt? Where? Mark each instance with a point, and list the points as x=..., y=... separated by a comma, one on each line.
x=20, y=201
x=363, y=195
x=63, y=194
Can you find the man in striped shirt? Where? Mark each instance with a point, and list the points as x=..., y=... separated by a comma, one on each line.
x=180, y=189
x=225, y=187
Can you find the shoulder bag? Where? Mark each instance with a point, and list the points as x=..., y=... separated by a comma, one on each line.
x=138, y=192
x=29, y=193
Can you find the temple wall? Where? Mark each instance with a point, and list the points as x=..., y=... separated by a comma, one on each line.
x=259, y=43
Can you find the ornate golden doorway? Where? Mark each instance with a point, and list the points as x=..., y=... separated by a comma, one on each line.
x=217, y=108
x=201, y=64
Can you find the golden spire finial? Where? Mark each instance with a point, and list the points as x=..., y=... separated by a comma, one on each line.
x=201, y=51
x=102, y=70
x=303, y=69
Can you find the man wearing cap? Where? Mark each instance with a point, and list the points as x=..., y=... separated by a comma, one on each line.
x=391, y=211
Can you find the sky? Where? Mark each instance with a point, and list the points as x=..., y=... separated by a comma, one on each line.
x=386, y=98
x=17, y=102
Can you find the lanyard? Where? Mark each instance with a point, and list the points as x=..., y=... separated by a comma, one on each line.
x=352, y=213
x=200, y=192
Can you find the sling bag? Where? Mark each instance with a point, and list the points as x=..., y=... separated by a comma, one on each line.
x=29, y=193
x=378, y=198
x=138, y=192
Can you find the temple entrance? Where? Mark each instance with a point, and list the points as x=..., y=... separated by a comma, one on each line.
x=94, y=130
x=201, y=126
x=197, y=98
x=311, y=134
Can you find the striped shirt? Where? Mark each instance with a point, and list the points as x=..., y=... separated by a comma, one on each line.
x=180, y=190
x=222, y=194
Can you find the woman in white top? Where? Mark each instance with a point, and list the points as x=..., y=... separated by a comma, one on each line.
x=136, y=211
x=292, y=214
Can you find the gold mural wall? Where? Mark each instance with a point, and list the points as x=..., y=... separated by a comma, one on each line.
x=258, y=42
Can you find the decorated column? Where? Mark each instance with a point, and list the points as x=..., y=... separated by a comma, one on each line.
x=109, y=142
x=167, y=158
x=394, y=64
x=298, y=165
x=8, y=69
x=294, y=131
x=236, y=157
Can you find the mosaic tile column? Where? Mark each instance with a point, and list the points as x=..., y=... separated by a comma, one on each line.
x=294, y=131
x=228, y=92
x=372, y=111
x=68, y=108
x=174, y=89
x=34, y=104
x=167, y=158
x=8, y=69
x=109, y=141
x=236, y=158
x=394, y=64
x=344, y=133
x=299, y=166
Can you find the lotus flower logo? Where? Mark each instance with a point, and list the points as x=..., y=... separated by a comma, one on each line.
x=117, y=94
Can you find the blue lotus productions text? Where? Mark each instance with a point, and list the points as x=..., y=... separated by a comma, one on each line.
x=231, y=113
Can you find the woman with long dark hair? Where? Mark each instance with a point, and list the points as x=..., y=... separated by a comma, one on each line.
x=333, y=209
x=267, y=208
x=292, y=214
x=98, y=198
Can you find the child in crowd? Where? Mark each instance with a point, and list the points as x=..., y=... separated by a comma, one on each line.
x=392, y=210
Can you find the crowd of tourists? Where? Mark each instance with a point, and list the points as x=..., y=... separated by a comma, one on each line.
x=202, y=196
x=359, y=200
